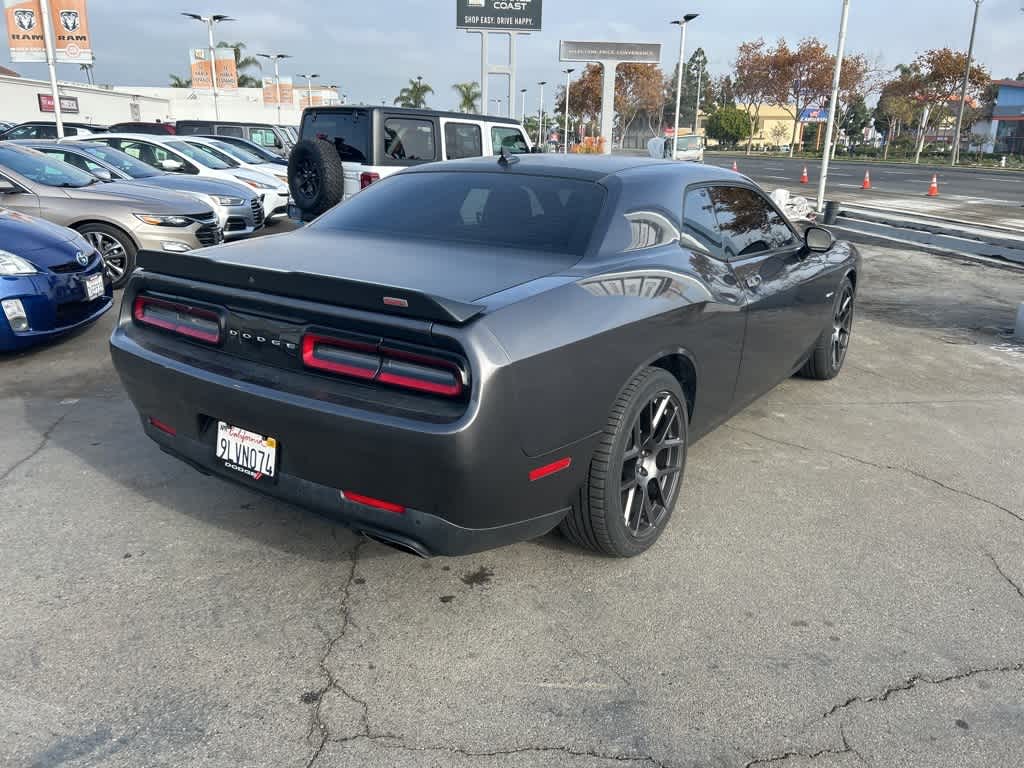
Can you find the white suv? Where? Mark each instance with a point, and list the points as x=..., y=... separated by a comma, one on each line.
x=344, y=149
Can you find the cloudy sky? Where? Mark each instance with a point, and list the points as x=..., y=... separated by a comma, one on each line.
x=370, y=49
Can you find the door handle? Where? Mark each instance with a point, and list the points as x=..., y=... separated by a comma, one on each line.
x=753, y=281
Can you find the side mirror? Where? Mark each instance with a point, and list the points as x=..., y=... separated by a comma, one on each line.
x=174, y=166
x=103, y=174
x=535, y=150
x=818, y=239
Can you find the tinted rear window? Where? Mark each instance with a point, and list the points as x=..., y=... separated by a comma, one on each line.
x=494, y=209
x=348, y=131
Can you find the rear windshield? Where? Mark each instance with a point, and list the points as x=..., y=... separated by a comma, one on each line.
x=493, y=209
x=348, y=131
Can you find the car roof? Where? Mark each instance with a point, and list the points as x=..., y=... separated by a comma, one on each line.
x=227, y=122
x=72, y=123
x=583, y=167
x=417, y=112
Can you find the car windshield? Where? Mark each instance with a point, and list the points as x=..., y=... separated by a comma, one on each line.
x=44, y=170
x=203, y=156
x=265, y=155
x=120, y=160
x=238, y=153
x=535, y=213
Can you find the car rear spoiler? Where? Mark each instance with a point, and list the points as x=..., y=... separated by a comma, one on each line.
x=335, y=291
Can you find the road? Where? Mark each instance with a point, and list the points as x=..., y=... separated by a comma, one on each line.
x=842, y=578
x=984, y=186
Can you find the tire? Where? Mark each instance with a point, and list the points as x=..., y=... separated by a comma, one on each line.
x=316, y=177
x=829, y=353
x=618, y=476
x=115, y=246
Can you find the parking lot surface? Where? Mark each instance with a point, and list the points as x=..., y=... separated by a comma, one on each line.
x=842, y=584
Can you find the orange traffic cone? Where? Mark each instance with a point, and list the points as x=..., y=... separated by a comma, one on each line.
x=933, y=190
x=867, y=180
x=735, y=167
x=803, y=178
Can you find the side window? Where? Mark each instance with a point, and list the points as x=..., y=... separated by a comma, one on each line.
x=409, y=139
x=699, y=222
x=462, y=140
x=748, y=222
x=230, y=130
x=72, y=158
x=23, y=132
x=264, y=137
x=510, y=139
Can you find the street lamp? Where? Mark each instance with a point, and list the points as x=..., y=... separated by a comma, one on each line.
x=497, y=103
x=679, y=77
x=831, y=125
x=523, y=92
x=309, y=88
x=276, y=57
x=540, y=115
x=568, y=82
x=209, y=21
x=963, y=89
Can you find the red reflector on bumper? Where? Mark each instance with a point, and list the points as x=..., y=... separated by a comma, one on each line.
x=550, y=469
x=167, y=428
x=369, y=501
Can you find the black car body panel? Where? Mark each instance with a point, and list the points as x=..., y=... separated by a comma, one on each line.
x=544, y=347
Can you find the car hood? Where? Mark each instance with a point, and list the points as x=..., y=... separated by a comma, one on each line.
x=151, y=199
x=462, y=272
x=31, y=237
x=197, y=184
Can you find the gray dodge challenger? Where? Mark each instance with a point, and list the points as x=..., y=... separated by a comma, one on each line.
x=472, y=353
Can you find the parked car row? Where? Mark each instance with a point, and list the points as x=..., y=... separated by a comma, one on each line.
x=275, y=140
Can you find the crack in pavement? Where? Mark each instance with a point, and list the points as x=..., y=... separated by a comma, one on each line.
x=42, y=444
x=316, y=722
x=846, y=749
x=856, y=459
x=1005, y=576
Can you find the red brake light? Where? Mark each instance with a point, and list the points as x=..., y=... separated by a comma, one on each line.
x=193, y=322
x=369, y=501
x=163, y=427
x=366, y=178
x=383, y=364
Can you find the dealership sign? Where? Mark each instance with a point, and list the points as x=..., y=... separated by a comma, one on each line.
x=68, y=104
x=68, y=20
x=635, y=53
x=499, y=15
x=227, y=72
x=814, y=115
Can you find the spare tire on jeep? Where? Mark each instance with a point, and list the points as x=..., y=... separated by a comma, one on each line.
x=316, y=176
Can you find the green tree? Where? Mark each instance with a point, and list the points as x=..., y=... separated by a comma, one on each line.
x=242, y=63
x=695, y=74
x=856, y=119
x=469, y=95
x=728, y=125
x=180, y=82
x=414, y=95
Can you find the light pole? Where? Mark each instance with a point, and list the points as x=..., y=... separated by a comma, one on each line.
x=209, y=21
x=309, y=88
x=523, y=92
x=679, y=77
x=540, y=113
x=963, y=90
x=497, y=103
x=276, y=57
x=568, y=82
x=830, y=128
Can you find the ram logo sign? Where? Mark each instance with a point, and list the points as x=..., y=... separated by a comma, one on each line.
x=68, y=21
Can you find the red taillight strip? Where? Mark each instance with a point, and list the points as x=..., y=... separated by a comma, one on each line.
x=437, y=388
x=310, y=360
x=369, y=501
x=166, y=428
x=550, y=469
x=139, y=313
x=451, y=390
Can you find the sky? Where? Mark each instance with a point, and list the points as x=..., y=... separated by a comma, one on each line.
x=371, y=49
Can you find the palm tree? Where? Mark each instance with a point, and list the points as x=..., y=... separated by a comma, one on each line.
x=179, y=82
x=469, y=95
x=414, y=95
x=87, y=68
x=245, y=80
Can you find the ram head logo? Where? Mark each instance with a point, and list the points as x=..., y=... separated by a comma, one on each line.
x=25, y=19
x=70, y=20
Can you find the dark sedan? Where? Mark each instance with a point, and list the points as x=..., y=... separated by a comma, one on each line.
x=51, y=281
x=472, y=353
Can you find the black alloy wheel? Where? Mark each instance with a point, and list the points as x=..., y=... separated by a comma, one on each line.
x=829, y=353
x=652, y=465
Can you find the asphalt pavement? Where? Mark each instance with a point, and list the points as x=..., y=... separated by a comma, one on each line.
x=841, y=585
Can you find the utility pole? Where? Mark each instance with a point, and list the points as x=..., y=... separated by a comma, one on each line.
x=679, y=76
x=51, y=65
x=540, y=113
x=568, y=83
x=840, y=48
x=209, y=21
x=963, y=90
x=276, y=57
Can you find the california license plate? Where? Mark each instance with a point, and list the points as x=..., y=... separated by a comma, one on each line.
x=93, y=286
x=247, y=452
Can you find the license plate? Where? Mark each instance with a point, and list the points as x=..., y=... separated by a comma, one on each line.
x=93, y=287
x=247, y=452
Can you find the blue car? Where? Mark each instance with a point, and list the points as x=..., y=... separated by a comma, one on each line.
x=51, y=281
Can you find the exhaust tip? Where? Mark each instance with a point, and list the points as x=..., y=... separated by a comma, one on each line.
x=407, y=546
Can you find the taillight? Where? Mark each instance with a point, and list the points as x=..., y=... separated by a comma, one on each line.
x=384, y=364
x=366, y=178
x=369, y=501
x=193, y=322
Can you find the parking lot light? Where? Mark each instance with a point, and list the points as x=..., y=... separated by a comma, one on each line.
x=276, y=57
x=679, y=75
x=209, y=21
x=540, y=114
x=568, y=83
